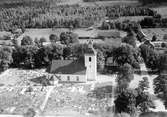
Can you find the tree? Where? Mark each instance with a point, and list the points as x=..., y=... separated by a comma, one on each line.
x=25, y=55
x=127, y=100
x=130, y=38
x=160, y=88
x=42, y=40
x=144, y=84
x=27, y=40
x=67, y=51
x=41, y=58
x=151, y=57
x=144, y=101
x=78, y=50
x=68, y=38
x=37, y=42
x=132, y=101
x=57, y=51
x=126, y=54
x=154, y=38
x=124, y=76
x=31, y=51
x=100, y=60
x=5, y=58
x=53, y=38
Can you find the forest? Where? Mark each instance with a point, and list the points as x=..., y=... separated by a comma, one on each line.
x=47, y=16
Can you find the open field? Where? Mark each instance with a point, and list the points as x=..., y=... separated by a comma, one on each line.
x=161, y=10
x=82, y=32
x=155, y=31
x=39, y=33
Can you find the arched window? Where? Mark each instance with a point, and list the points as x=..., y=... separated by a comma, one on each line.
x=68, y=78
x=77, y=78
x=90, y=59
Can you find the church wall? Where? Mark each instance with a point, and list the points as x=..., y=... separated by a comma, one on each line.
x=71, y=78
x=91, y=65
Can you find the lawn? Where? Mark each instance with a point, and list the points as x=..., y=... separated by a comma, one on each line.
x=82, y=32
x=161, y=10
x=160, y=32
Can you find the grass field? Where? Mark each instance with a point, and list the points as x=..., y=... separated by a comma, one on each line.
x=161, y=10
x=82, y=32
x=160, y=32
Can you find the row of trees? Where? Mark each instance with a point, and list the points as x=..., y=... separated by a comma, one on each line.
x=32, y=54
x=46, y=16
x=152, y=58
x=120, y=25
x=145, y=2
x=5, y=58
x=147, y=22
x=154, y=22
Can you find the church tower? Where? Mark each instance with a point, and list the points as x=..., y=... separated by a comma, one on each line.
x=91, y=62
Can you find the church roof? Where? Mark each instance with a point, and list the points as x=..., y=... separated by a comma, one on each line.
x=67, y=67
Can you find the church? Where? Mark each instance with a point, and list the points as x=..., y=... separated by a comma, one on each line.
x=76, y=71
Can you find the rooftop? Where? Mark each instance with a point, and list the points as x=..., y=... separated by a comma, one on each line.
x=67, y=67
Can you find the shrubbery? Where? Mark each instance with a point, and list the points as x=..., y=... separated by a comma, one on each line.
x=127, y=54
x=152, y=58
x=133, y=101
x=160, y=88
x=153, y=22
x=5, y=58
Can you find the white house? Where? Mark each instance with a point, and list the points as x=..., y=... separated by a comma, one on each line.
x=76, y=71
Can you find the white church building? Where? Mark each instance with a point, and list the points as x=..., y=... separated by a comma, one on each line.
x=76, y=71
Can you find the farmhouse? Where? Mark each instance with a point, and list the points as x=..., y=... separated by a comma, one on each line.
x=76, y=70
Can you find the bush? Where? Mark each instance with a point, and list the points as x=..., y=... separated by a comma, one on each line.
x=133, y=101
x=5, y=58
x=53, y=38
x=151, y=57
x=27, y=40
x=68, y=38
x=126, y=54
